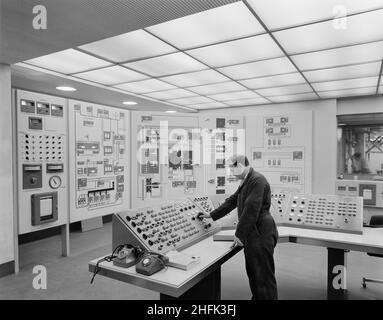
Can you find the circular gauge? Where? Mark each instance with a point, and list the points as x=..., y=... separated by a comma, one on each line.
x=55, y=182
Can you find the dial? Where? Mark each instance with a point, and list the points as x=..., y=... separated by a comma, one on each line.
x=55, y=182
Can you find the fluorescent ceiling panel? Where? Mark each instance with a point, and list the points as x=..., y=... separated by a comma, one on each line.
x=167, y=65
x=129, y=46
x=171, y=94
x=347, y=92
x=234, y=95
x=285, y=90
x=145, y=86
x=345, y=84
x=354, y=71
x=219, y=24
x=68, y=62
x=239, y=51
x=196, y=78
x=259, y=69
x=294, y=97
x=192, y=100
x=211, y=105
x=341, y=56
x=281, y=13
x=111, y=75
x=217, y=88
x=247, y=102
x=359, y=29
x=274, y=81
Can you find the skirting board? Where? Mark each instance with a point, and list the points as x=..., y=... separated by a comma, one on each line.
x=7, y=268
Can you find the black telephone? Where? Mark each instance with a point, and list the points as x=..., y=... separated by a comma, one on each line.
x=127, y=256
x=151, y=262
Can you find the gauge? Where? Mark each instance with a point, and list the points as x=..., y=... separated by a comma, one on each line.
x=55, y=182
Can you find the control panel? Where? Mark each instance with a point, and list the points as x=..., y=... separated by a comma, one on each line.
x=42, y=161
x=370, y=191
x=99, y=159
x=166, y=158
x=279, y=201
x=328, y=212
x=223, y=138
x=166, y=227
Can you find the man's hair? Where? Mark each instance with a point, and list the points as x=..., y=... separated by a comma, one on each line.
x=239, y=158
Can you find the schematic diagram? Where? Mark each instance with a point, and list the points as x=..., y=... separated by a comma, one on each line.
x=167, y=162
x=100, y=160
x=225, y=137
x=280, y=149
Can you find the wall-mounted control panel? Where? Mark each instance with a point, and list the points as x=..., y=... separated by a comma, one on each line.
x=99, y=160
x=223, y=137
x=370, y=191
x=161, y=228
x=42, y=161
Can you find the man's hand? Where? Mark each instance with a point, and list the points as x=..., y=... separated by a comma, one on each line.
x=236, y=243
x=202, y=215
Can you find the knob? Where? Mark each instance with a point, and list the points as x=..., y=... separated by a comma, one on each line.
x=33, y=180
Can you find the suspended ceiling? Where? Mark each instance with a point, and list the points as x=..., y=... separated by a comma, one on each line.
x=244, y=53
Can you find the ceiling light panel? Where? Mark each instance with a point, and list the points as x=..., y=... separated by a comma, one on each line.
x=68, y=62
x=354, y=71
x=209, y=26
x=247, y=94
x=347, y=92
x=285, y=90
x=247, y=102
x=171, y=94
x=167, y=65
x=145, y=86
x=274, y=81
x=129, y=46
x=342, y=56
x=345, y=84
x=217, y=88
x=192, y=100
x=259, y=69
x=358, y=29
x=211, y=105
x=111, y=75
x=196, y=78
x=274, y=12
x=238, y=51
x=294, y=97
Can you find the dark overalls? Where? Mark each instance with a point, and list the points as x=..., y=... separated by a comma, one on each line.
x=257, y=231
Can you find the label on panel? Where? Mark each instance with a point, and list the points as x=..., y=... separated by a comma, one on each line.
x=99, y=160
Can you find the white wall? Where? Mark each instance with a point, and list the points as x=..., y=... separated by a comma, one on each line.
x=6, y=178
x=324, y=136
x=360, y=105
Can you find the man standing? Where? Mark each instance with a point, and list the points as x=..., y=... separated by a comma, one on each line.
x=256, y=230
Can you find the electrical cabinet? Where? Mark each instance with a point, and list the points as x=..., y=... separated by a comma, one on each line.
x=42, y=161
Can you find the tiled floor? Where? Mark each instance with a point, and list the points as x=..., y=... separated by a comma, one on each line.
x=301, y=272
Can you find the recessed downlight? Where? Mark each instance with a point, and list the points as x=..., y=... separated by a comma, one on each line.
x=65, y=88
x=129, y=103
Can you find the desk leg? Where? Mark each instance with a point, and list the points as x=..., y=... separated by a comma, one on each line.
x=336, y=274
x=209, y=288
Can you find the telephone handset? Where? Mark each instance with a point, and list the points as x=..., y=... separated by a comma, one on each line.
x=151, y=262
x=127, y=256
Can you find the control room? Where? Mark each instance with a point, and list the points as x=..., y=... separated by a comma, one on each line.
x=191, y=150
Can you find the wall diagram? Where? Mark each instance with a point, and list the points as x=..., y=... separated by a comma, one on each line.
x=279, y=146
x=166, y=163
x=99, y=157
x=223, y=137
